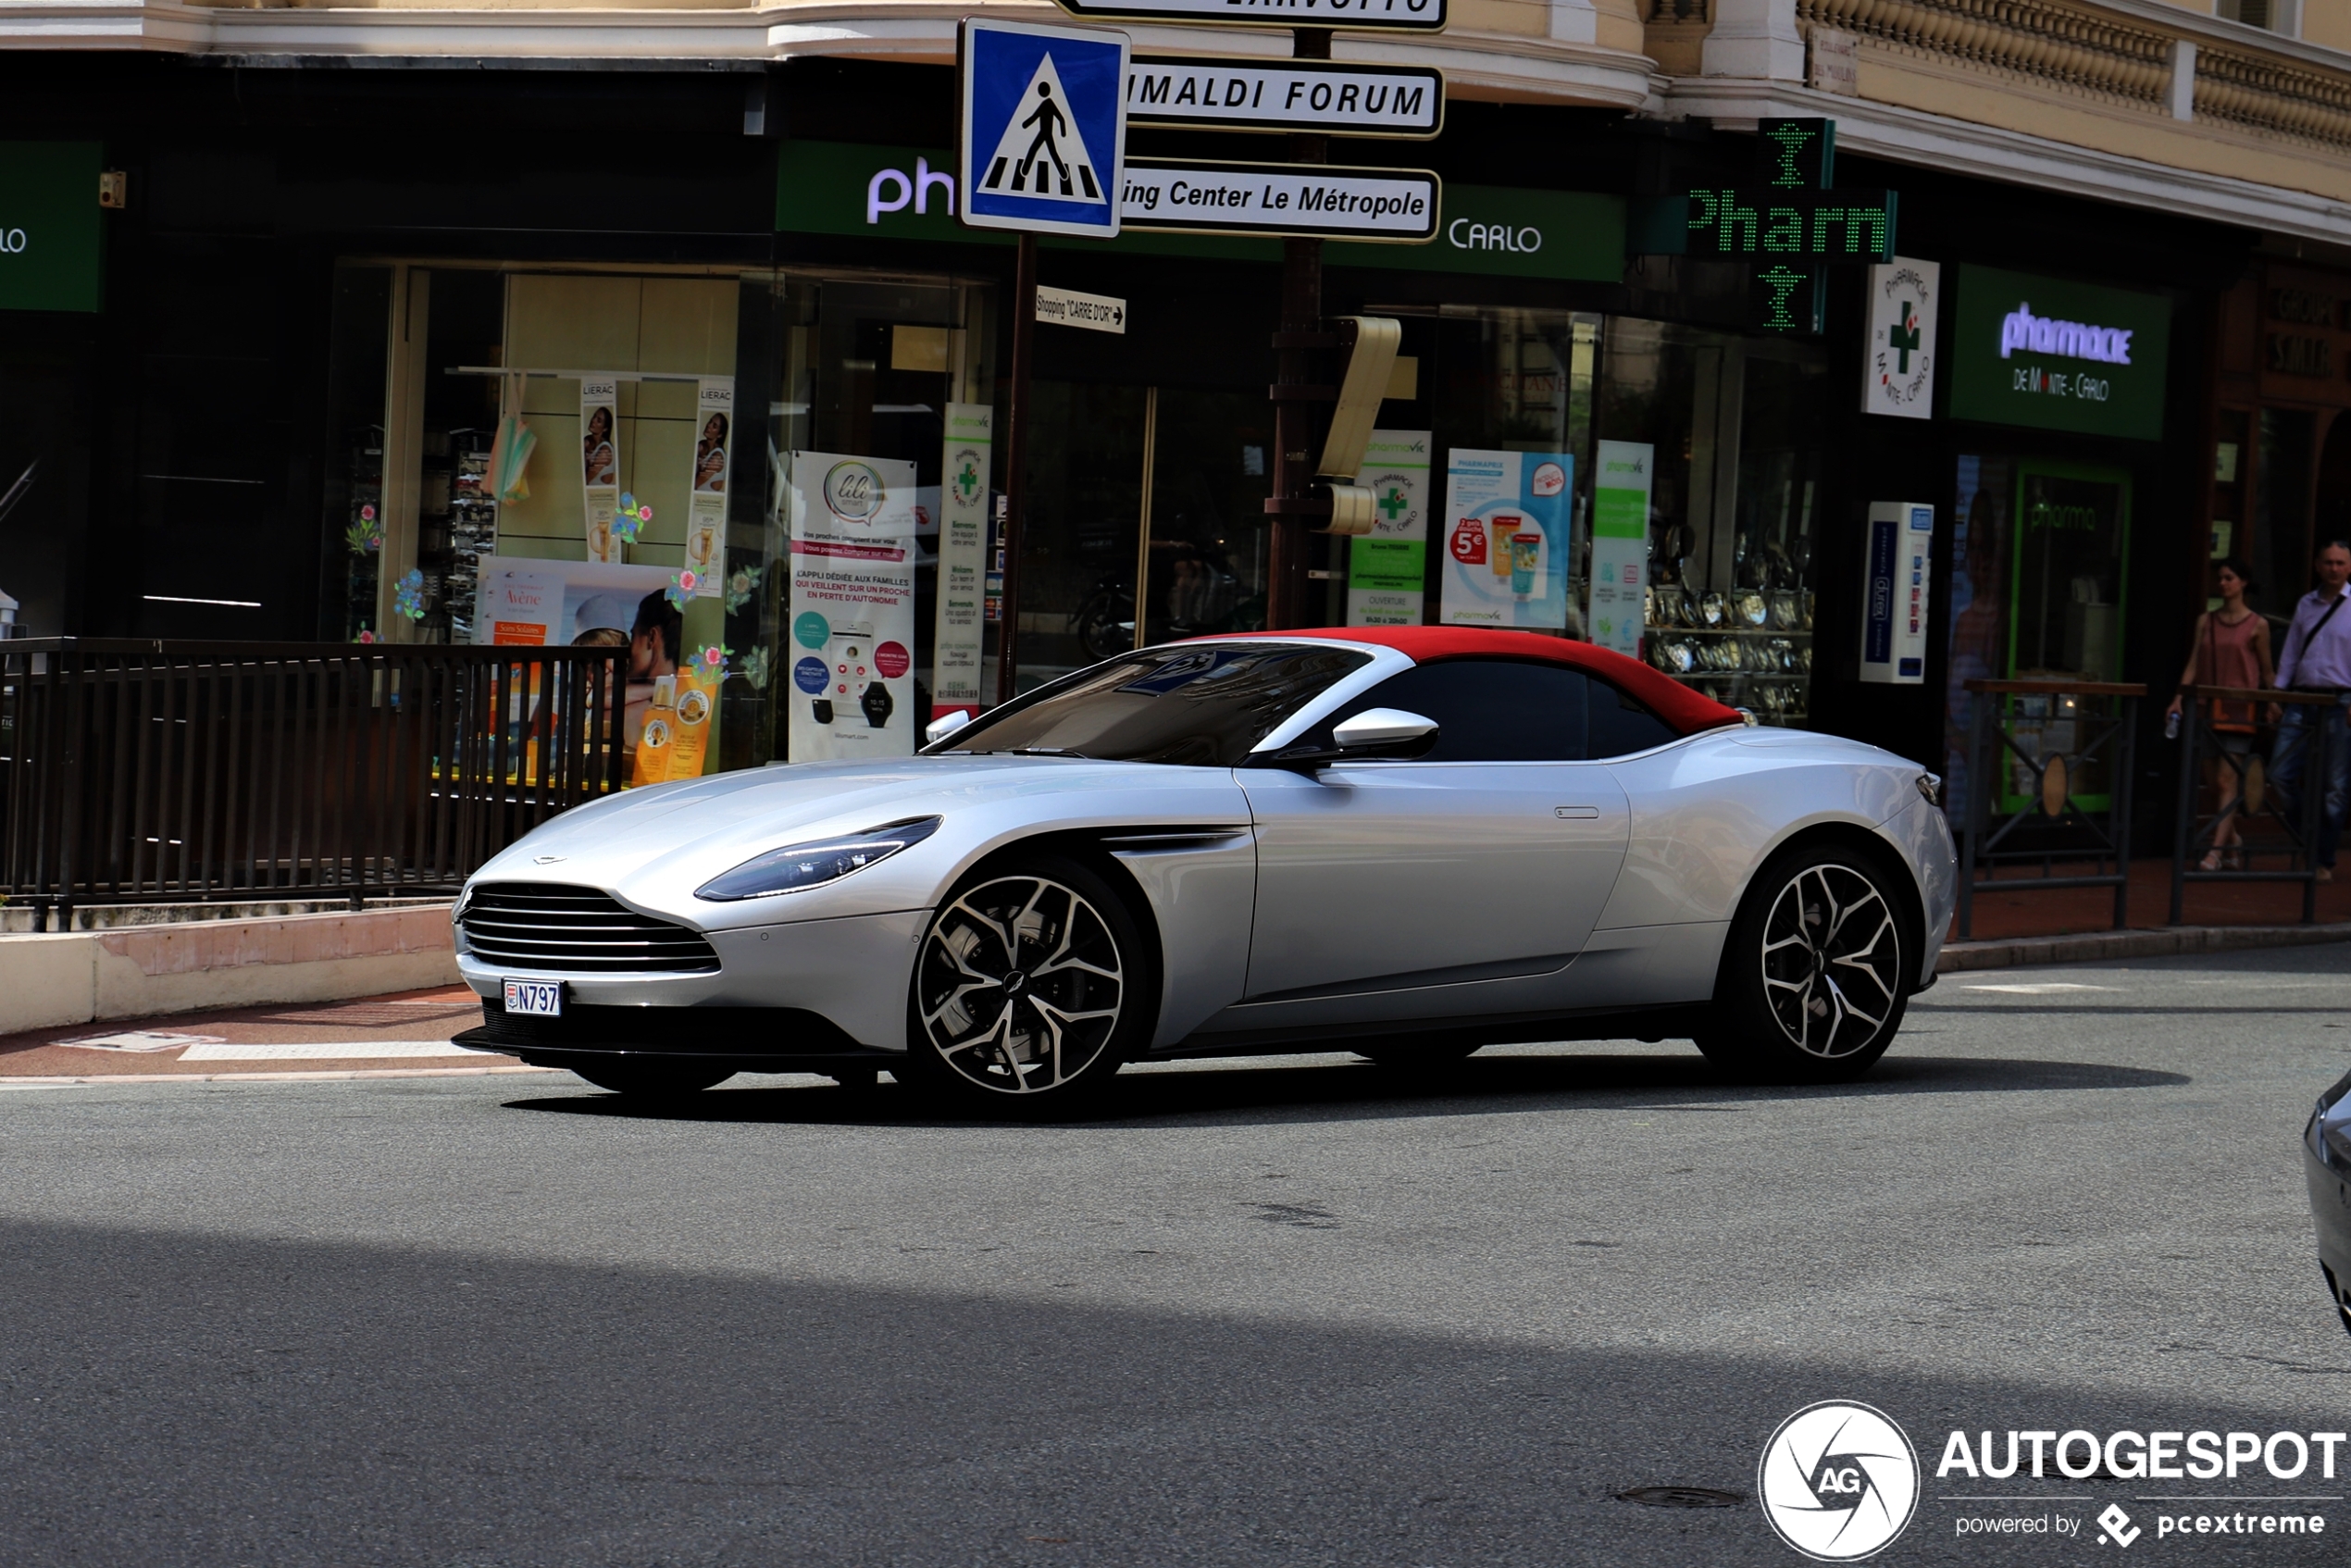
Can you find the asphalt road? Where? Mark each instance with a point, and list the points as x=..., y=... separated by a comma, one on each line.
x=1294, y=1313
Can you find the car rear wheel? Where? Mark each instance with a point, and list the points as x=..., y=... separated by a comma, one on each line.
x=654, y=1080
x=1031, y=986
x=1814, y=978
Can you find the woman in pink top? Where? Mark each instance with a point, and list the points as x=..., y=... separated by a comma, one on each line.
x=2231, y=649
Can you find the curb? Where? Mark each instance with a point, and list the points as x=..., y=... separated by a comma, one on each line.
x=102, y=1080
x=2094, y=947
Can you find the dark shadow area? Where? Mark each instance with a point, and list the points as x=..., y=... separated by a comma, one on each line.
x=1481, y=1086
x=188, y=1399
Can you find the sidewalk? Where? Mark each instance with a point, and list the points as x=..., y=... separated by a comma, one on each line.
x=402, y=1034
x=2075, y=924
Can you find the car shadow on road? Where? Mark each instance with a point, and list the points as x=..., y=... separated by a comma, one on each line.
x=1361, y=1090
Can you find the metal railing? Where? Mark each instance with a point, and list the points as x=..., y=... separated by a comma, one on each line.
x=2051, y=828
x=2243, y=792
x=137, y=772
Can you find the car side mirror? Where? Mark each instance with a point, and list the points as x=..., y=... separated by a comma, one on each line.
x=938, y=729
x=1375, y=732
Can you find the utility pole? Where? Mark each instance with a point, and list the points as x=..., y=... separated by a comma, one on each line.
x=1294, y=370
x=1015, y=466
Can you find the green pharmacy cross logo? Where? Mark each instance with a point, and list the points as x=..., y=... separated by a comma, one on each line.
x=967, y=481
x=1904, y=339
x=1393, y=502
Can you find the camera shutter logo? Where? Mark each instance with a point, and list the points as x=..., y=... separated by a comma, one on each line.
x=1838, y=1481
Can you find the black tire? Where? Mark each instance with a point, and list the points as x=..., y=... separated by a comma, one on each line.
x=1032, y=985
x=655, y=1080
x=1816, y=970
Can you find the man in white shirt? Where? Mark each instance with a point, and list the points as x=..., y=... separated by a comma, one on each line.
x=2317, y=658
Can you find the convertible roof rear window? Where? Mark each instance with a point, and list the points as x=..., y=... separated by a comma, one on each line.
x=1201, y=705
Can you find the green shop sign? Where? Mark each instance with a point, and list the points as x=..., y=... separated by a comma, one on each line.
x=909, y=193
x=2056, y=355
x=49, y=237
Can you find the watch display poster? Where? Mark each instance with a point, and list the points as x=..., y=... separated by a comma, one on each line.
x=706, y=499
x=963, y=550
x=1506, y=539
x=852, y=607
x=600, y=463
x=1621, y=478
x=1387, y=569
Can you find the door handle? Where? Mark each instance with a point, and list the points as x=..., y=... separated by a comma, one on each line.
x=1578, y=814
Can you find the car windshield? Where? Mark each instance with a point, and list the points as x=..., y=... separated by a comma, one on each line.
x=1201, y=705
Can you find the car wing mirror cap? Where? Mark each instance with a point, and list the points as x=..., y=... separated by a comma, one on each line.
x=946, y=724
x=1375, y=732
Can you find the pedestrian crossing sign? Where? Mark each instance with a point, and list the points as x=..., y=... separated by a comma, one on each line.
x=1043, y=131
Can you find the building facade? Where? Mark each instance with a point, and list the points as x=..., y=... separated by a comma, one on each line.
x=358, y=258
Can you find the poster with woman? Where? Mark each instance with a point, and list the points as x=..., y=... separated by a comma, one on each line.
x=600, y=463
x=706, y=497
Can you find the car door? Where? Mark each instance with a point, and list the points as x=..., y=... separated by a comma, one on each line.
x=1475, y=869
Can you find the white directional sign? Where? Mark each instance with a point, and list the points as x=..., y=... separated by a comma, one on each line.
x=1043, y=133
x=1356, y=16
x=1067, y=307
x=1319, y=201
x=1344, y=99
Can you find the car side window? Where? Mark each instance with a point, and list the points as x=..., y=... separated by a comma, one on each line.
x=1487, y=710
x=1621, y=726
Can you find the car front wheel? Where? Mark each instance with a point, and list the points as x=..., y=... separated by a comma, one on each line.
x=1814, y=978
x=1031, y=986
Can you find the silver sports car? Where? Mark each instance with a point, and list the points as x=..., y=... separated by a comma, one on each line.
x=1406, y=843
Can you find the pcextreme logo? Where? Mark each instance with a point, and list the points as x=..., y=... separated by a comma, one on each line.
x=1839, y=1481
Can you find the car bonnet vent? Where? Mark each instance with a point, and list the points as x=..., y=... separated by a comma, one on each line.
x=577, y=930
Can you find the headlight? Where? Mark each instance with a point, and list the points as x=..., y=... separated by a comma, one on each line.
x=798, y=866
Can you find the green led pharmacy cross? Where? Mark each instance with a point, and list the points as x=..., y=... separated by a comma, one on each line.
x=1770, y=225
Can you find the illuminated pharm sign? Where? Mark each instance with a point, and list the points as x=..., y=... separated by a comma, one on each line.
x=2057, y=354
x=2067, y=339
x=1792, y=225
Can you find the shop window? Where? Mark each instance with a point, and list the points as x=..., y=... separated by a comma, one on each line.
x=2231, y=467
x=357, y=362
x=868, y=371
x=2066, y=609
x=1209, y=537
x=1733, y=426
x=1081, y=526
x=1978, y=639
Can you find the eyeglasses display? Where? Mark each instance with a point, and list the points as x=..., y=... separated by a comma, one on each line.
x=1731, y=601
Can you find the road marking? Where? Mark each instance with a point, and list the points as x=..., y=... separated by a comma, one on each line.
x=321, y=1050
x=139, y=1039
x=2044, y=988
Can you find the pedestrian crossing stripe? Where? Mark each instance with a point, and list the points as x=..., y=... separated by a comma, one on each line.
x=1042, y=153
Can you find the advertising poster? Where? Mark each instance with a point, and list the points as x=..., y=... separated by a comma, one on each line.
x=1620, y=480
x=600, y=464
x=1505, y=542
x=1387, y=569
x=706, y=499
x=852, y=607
x=531, y=603
x=963, y=548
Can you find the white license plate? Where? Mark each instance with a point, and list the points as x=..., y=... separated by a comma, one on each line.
x=535, y=999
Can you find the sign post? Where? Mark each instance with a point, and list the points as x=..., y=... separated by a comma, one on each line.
x=1041, y=149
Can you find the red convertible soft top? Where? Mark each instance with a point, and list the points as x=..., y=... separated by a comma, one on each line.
x=1679, y=706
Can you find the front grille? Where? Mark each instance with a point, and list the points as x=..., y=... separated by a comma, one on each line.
x=577, y=930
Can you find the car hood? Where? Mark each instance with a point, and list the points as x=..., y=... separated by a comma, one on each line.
x=653, y=844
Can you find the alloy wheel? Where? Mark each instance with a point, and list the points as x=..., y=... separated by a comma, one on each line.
x=1020, y=985
x=1831, y=961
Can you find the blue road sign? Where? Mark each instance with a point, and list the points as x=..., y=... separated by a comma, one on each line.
x=1043, y=136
